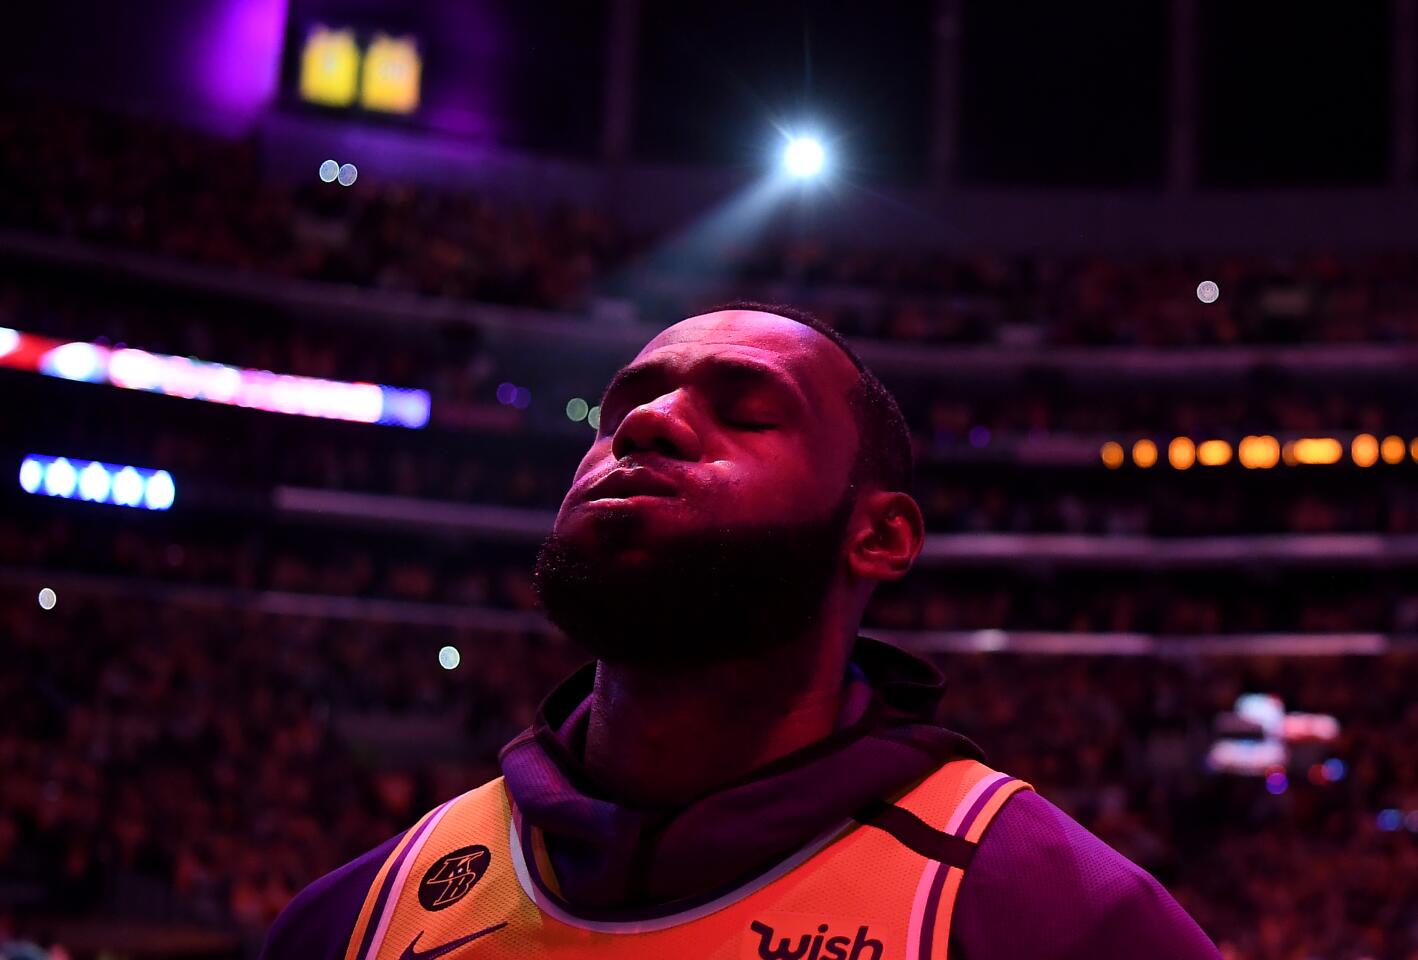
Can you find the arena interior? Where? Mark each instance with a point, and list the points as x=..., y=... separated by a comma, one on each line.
x=306, y=308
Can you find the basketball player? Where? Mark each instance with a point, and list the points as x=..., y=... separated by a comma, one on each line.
x=739, y=774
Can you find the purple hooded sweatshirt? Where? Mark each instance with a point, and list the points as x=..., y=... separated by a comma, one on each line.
x=1040, y=886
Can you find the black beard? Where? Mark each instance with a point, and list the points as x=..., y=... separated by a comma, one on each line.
x=721, y=594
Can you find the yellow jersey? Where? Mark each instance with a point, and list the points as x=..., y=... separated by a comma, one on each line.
x=469, y=882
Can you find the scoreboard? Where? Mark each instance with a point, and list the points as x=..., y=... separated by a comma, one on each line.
x=345, y=68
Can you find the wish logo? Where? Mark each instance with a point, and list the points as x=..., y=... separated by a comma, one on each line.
x=819, y=946
x=452, y=876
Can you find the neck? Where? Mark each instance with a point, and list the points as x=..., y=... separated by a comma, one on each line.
x=663, y=736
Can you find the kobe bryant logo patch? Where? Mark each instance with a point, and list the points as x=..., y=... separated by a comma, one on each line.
x=452, y=876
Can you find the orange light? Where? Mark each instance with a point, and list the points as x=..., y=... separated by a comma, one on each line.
x=1318, y=450
x=1413, y=449
x=1144, y=453
x=1287, y=453
x=1181, y=453
x=1259, y=452
x=1214, y=453
x=1112, y=454
x=1365, y=449
x=1392, y=449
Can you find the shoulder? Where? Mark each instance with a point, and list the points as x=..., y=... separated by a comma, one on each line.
x=316, y=924
x=1042, y=886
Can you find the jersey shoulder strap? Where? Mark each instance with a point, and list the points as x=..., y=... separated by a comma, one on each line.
x=943, y=818
x=448, y=881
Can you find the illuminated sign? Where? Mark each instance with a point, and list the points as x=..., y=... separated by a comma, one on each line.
x=194, y=379
x=112, y=483
x=1257, y=739
x=391, y=75
x=329, y=67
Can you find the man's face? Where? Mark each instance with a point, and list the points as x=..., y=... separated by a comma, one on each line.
x=745, y=552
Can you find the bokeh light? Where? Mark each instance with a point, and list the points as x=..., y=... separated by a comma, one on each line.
x=1214, y=453
x=160, y=491
x=348, y=174
x=449, y=658
x=1112, y=454
x=1365, y=449
x=31, y=475
x=60, y=478
x=1318, y=450
x=329, y=170
x=127, y=487
x=1258, y=453
x=48, y=598
x=1207, y=291
x=1144, y=453
x=1392, y=449
x=94, y=482
x=1181, y=453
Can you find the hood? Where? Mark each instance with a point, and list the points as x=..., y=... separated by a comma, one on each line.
x=614, y=860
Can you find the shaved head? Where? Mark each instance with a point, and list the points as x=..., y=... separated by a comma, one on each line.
x=745, y=412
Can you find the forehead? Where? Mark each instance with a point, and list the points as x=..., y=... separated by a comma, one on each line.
x=804, y=355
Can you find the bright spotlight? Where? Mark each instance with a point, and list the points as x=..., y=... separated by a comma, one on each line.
x=804, y=157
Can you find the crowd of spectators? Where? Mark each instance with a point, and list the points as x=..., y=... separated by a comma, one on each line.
x=149, y=186
x=1035, y=596
x=218, y=755
x=191, y=754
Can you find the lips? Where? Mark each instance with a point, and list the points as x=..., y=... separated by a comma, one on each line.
x=629, y=483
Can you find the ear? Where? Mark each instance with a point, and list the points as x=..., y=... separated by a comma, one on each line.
x=887, y=547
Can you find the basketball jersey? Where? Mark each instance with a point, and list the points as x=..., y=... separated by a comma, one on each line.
x=880, y=886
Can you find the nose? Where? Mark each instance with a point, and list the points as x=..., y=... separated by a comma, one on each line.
x=656, y=426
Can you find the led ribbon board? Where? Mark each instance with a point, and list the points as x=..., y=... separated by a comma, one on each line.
x=113, y=483
x=193, y=379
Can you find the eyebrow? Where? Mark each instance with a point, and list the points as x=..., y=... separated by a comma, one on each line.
x=723, y=369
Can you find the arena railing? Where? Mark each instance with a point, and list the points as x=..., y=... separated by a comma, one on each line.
x=533, y=623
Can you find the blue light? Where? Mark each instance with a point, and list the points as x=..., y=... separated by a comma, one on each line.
x=1276, y=782
x=94, y=482
x=979, y=436
x=1334, y=769
x=405, y=408
x=160, y=491
x=97, y=482
x=60, y=478
x=31, y=475
x=1390, y=820
x=127, y=488
x=75, y=361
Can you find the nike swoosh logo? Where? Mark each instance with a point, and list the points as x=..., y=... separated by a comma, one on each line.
x=411, y=954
